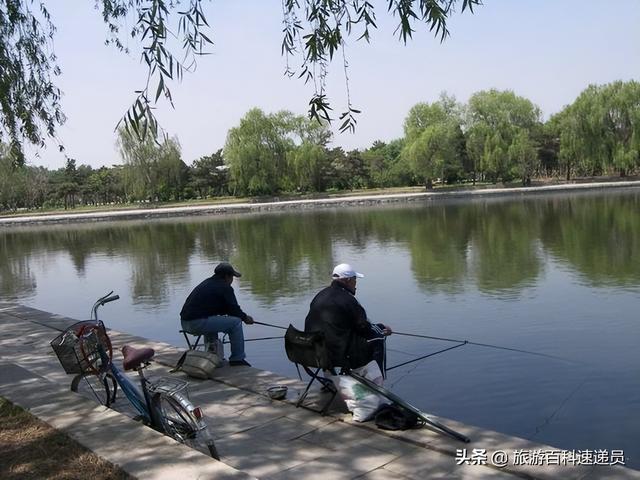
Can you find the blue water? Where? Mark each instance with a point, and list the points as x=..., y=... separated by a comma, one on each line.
x=554, y=274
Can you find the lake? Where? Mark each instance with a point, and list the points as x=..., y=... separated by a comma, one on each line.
x=557, y=274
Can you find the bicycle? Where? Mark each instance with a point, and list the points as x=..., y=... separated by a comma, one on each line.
x=85, y=349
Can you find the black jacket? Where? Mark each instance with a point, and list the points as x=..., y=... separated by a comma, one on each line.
x=214, y=296
x=336, y=312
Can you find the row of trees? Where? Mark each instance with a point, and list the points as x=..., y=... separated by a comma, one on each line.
x=496, y=137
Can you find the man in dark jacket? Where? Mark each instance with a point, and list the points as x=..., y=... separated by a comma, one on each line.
x=212, y=307
x=352, y=341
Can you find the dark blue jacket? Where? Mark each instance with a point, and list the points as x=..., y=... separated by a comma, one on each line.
x=214, y=296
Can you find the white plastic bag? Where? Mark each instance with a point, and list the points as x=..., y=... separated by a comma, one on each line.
x=361, y=401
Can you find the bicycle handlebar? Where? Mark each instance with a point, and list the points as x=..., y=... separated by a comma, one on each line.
x=110, y=299
x=101, y=301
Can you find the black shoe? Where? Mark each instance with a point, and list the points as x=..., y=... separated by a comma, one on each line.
x=239, y=363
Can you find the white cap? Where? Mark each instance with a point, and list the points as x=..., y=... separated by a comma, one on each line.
x=344, y=270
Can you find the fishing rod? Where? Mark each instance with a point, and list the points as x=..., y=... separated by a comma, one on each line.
x=424, y=356
x=486, y=345
x=254, y=339
x=263, y=338
x=269, y=325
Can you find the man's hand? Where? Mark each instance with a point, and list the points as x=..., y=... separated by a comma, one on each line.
x=248, y=320
x=386, y=331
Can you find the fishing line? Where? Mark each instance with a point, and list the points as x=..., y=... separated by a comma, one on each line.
x=263, y=338
x=409, y=372
x=395, y=350
x=547, y=420
x=486, y=345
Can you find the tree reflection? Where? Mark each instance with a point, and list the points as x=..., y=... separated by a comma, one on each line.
x=158, y=251
x=599, y=236
x=436, y=237
x=16, y=278
x=504, y=248
x=284, y=254
x=497, y=245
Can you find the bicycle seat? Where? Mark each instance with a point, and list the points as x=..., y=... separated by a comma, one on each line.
x=134, y=357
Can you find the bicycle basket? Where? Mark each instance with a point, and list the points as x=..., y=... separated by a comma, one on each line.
x=77, y=347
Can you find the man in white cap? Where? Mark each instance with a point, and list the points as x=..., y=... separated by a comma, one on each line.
x=212, y=307
x=336, y=312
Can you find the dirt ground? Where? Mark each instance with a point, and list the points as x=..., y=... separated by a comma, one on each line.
x=31, y=449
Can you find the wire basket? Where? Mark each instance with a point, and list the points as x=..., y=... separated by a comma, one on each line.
x=168, y=386
x=77, y=347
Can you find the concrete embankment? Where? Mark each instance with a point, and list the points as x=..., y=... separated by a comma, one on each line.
x=274, y=206
x=257, y=437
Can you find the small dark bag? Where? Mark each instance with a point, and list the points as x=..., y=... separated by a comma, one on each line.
x=394, y=417
x=306, y=348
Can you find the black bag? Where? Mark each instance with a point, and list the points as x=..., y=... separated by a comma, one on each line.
x=306, y=348
x=394, y=417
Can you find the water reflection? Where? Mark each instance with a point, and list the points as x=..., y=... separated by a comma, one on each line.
x=598, y=236
x=496, y=246
x=504, y=246
x=282, y=254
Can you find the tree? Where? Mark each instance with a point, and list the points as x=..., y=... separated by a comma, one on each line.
x=69, y=188
x=11, y=181
x=523, y=154
x=154, y=171
x=326, y=24
x=434, y=140
x=256, y=152
x=347, y=170
x=209, y=175
x=310, y=163
x=171, y=35
x=435, y=153
x=261, y=149
x=36, y=187
x=501, y=127
x=549, y=147
x=105, y=185
x=386, y=166
x=376, y=164
x=600, y=131
x=622, y=120
x=29, y=99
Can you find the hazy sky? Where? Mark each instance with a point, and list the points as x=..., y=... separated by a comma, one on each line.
x=545, y=50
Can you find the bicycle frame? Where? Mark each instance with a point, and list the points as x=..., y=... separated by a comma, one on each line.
x=139, y=399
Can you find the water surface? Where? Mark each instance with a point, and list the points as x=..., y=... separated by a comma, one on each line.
x=557, y=274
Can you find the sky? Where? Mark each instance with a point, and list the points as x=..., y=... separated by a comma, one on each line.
x=545, y=50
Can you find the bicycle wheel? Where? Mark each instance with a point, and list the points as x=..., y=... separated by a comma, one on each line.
x=102, y=388
x=180, y=422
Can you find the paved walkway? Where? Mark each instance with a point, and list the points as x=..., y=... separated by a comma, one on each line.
x=247, y=207
x=257, y=437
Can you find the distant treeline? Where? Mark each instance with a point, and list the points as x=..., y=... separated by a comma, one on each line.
x=496, y=137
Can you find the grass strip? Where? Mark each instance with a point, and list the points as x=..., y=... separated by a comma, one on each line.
x=31, y=449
